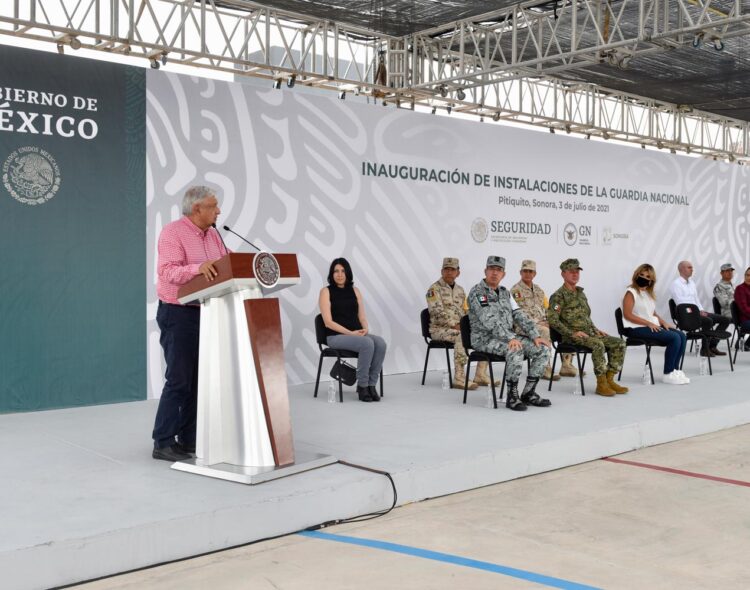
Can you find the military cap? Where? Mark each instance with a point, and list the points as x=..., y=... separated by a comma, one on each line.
x=528, y=265
x=570, y=264
x=450, y=263
x=727, y=266
x=496, y=261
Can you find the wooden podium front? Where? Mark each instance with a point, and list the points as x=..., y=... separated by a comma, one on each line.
x=244, y=430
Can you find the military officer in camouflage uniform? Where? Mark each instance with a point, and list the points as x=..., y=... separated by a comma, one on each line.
x=492, y=313
x=446, y=302
x=533, y=302
x=569, y=313
x=724, y=290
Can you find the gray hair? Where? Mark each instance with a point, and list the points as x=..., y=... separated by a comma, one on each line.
x=194, y=195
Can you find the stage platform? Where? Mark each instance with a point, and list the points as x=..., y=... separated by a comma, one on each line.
x=82, y=498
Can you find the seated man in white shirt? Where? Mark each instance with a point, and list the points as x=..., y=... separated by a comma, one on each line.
x=683, y=290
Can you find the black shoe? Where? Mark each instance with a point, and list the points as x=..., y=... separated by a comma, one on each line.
x=373, y=393
x=717, y=352
x=364, y=394
x=535, y=400
x=514, y=403
x=747, y=347
x=707, y=353
x=186, y=448
x=173, y=453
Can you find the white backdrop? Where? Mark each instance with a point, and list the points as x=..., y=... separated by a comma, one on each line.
x=323, y=178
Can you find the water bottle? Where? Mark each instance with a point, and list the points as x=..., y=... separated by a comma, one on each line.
x=576, y=386
x=696, y=349
x=490, y=401
x=704, y=366
x=646, y=379
x=446, y=380
x=331, y=392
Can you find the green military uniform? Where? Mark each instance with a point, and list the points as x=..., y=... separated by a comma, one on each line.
x=569, y=312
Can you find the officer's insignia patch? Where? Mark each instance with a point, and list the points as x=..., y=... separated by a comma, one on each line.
x=431, y=294
x=517, y=295
x=483, y=301
x=556, y=307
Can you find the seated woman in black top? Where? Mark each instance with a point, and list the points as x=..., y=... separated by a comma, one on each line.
x=346, y=326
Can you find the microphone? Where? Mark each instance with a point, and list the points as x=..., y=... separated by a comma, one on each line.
x=226, y=250
x=227, y=228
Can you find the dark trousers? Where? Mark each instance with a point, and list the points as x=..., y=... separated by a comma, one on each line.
x=709, y=320
x=176, y=416
x=674, y=339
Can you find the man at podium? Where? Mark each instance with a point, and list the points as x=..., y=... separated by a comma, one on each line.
x=187, y=247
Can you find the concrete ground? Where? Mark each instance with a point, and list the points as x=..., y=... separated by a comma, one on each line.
x=600, y=524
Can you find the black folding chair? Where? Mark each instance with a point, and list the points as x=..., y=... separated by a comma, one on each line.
x=478, y=355
x=717, y=305
x=633, y=341
x=675, y=321
x=338, y=353
x=689, y=321
x=739, y=331
x=424, y=318
x=568, y=348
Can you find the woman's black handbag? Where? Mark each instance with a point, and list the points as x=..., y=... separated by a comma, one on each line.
x=345, y=372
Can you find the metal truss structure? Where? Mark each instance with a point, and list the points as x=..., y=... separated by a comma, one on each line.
x=499, y=65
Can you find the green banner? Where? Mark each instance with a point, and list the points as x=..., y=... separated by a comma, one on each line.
x=73, y=225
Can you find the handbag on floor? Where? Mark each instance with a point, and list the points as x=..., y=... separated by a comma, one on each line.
x=344, y=371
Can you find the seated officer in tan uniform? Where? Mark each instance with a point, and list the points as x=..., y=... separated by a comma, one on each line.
x=533, y=302
x=446, y=301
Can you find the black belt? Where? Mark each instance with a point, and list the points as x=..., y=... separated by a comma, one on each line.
x=178, y=305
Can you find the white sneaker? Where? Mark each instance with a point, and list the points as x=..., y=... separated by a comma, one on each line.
x=684, y=377
x=672, y=379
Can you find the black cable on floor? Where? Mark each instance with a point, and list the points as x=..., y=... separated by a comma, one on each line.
x=361, y=517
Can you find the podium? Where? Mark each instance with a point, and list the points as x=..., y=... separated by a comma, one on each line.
x=244, y=431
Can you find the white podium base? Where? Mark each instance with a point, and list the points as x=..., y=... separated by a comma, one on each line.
x=305, y=461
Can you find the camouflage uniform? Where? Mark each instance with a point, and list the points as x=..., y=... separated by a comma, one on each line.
x=724, y=292
x=533, y=303
x=569, y=312
x=446, y=307
x=492, y=315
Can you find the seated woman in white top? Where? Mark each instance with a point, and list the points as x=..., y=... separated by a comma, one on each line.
x=640, y=321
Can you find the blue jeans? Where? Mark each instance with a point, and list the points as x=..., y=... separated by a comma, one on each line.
x=674, y=339
x=176, y=416
x=371, y=351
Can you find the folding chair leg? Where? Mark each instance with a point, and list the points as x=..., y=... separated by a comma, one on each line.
x=648, y=362
x=492, y=384
x=448, y=362
x=317, y=379
x=426, y=360
x=502, y=385
x=381, y=382
x=729, y=350
x=466, y=382
x=341, y=387
x=554, y=361
x=580, y=371
x=704, y=346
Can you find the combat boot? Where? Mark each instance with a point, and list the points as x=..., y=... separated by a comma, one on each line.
x=459, y=378
x=602, y=386
x=548, y=374
x=567, y=369
x=512, y=401
x=530, y=397
x=481, y=377
x=613, y=385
